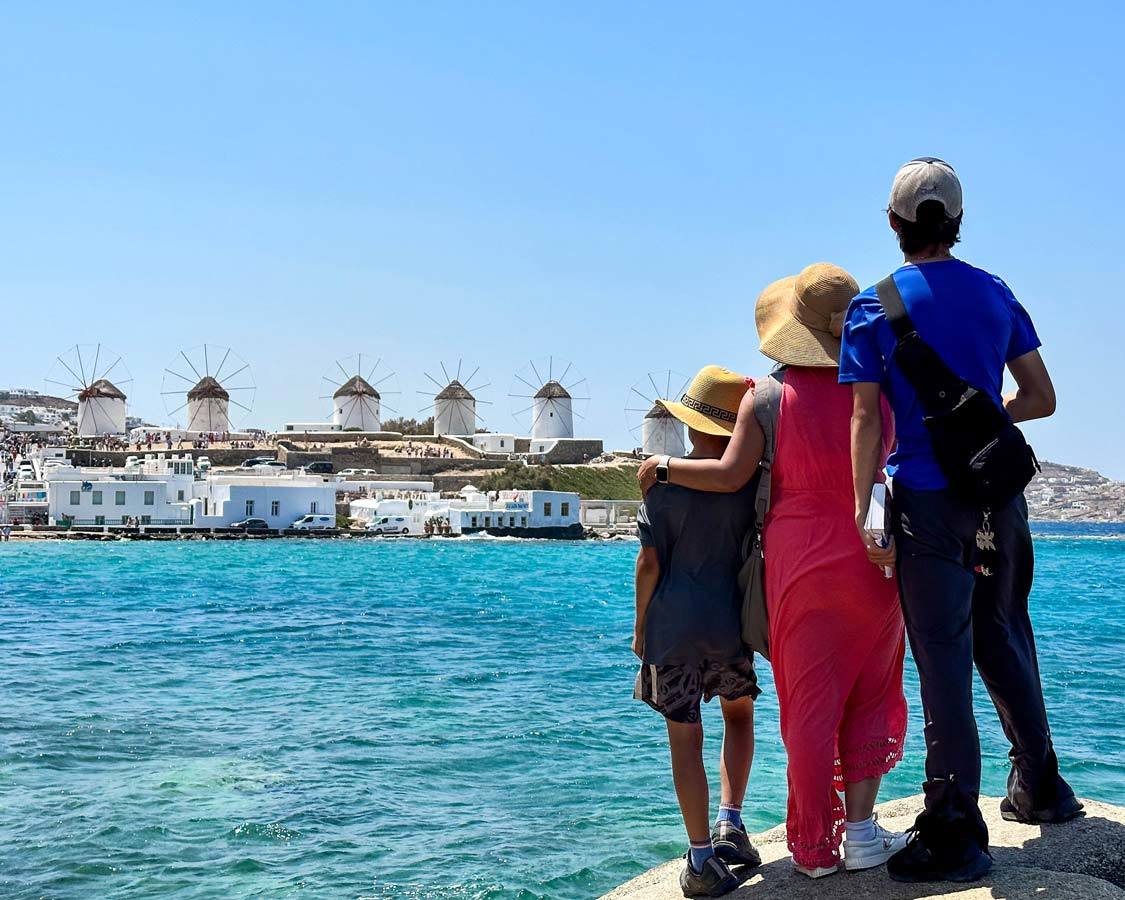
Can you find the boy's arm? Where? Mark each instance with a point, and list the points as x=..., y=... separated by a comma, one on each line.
x=647, y=577
x=1034, y=397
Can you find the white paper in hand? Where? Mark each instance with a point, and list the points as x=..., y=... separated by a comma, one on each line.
x=876, y=522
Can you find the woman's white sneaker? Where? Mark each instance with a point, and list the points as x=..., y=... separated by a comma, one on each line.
x=860, y=855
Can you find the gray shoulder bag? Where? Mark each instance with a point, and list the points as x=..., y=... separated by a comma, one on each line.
x=751, y=577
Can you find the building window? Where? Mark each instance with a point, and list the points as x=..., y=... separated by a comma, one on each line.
x=99, y=520
x=146, y=520
x=249, y=507
x=150, y=498
x=118, y=498
x=75, y=498
x=547, y=508
x=564, y=509
x=523, y=521
x=124, y=520
x=97, y=498
x=313, y=508
x=473, y=522
x=487, y=521
x=511, y=521
x=501, y=442
x=179, y=496
x=275, y=508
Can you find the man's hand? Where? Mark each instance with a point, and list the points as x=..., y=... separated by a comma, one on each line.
x=646, y=474
x=880, y=556
x=639, y=642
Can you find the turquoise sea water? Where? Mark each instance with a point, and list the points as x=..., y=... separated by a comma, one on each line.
x=401, y=719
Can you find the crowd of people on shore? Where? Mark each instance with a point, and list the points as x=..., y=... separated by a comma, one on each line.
x=760, y=540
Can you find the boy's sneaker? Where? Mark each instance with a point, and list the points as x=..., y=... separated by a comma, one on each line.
x=732, y=845
x=713, y=881
x=1066, y=809
x=930, y=857
x=859, y=855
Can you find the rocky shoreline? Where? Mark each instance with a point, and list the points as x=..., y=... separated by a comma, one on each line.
x=1084, y=858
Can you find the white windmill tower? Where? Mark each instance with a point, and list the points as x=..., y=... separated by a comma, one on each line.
x=659, y=432
x=455, y=403
x=357, y=400
x=554, y=400
x=85, y=371
x=211, y=389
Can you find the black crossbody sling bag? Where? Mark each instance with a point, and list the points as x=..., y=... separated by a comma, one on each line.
x=979, y=449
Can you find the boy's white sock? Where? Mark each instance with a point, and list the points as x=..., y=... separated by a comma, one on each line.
x=863, y=830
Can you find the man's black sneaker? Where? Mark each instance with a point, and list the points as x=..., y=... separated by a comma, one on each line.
x=732, y=845
x=713, y=881
x=960, y=860
x=1064, y=811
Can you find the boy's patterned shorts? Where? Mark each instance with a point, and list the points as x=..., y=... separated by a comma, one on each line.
x=675, y=691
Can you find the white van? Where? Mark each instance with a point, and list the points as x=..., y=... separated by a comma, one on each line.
x=389, y=525
x=314, y=523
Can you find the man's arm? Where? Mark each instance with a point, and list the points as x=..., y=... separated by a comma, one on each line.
x=1034, y=397
x=648, y=576
x=867, y=445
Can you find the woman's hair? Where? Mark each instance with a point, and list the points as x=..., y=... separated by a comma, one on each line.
x=933, y=228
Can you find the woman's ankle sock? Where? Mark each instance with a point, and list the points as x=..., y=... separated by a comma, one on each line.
x=863, y=830
x=699, y=853
x=728, y=812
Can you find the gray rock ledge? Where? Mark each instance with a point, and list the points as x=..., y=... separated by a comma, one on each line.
x=1084, y=858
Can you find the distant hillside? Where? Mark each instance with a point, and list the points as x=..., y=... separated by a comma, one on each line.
x=42, y=400
x=1072, y=494
x=617, y=482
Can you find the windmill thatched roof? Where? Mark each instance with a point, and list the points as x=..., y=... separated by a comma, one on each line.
x=207, y=388
x=658, y=412
x=355, y=386
x=454, y=391
x=102, y=389
x=552, y=390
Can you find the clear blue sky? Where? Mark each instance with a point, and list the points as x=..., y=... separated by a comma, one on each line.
x=613, y=183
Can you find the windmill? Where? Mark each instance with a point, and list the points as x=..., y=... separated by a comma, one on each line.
x=211, y=378
x=455, y=404
x=553, y=401
x=657, y=430
x=85, y=371
x=358, y=386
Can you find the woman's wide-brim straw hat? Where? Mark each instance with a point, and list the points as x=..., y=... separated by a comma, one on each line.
x=800, y=318
x=710, y=403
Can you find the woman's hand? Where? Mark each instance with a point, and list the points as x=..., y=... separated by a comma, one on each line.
x=884, y=557
x=646, y=474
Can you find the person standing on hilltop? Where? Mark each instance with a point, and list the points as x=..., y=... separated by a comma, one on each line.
x=965, y=569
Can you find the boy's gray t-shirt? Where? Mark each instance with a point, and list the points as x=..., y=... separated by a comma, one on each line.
x=695, y=612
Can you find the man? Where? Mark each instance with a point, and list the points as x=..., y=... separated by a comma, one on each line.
x=688, y=635
x=959, y=607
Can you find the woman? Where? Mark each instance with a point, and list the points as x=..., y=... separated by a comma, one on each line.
x=836, y=630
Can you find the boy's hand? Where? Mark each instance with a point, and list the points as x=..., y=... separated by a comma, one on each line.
x=639, y=643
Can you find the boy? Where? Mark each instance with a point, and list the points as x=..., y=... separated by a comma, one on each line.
x=688, y=634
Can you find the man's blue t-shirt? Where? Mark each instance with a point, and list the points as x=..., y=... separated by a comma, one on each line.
x=968, y=316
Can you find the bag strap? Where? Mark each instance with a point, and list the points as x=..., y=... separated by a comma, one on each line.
x=893, y=307
x=767, y=405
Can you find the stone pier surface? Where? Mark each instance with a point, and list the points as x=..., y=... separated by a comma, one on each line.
x=1083, y=858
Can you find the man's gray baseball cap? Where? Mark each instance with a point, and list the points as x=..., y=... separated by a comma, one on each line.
x=926, y=178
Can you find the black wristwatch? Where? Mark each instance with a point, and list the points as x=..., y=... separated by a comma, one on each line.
x=662, y=470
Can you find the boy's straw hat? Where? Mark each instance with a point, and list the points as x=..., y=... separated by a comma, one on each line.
x=800, y=319
x=710, y=403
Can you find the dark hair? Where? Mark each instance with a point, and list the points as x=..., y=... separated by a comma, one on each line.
x=933, y=228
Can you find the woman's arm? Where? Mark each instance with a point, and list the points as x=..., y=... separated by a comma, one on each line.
x=726, y=475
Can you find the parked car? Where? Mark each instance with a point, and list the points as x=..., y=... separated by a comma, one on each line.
x=321, y=467
x=272, y=464
x=314, y=522
x=255, y=461
x=251, y=525
x=358, y=473
x=389, y=525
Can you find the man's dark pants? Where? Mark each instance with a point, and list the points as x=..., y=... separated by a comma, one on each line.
x=956, y=616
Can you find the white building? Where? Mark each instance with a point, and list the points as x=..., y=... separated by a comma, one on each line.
x=101, y=409
x=492, y=442
x=534, y=510
x=222, y=499
x=552, y=413
x=455, y=410
x=662, y=433
x=208, y=408
x=356, y=406
x=154, y=491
